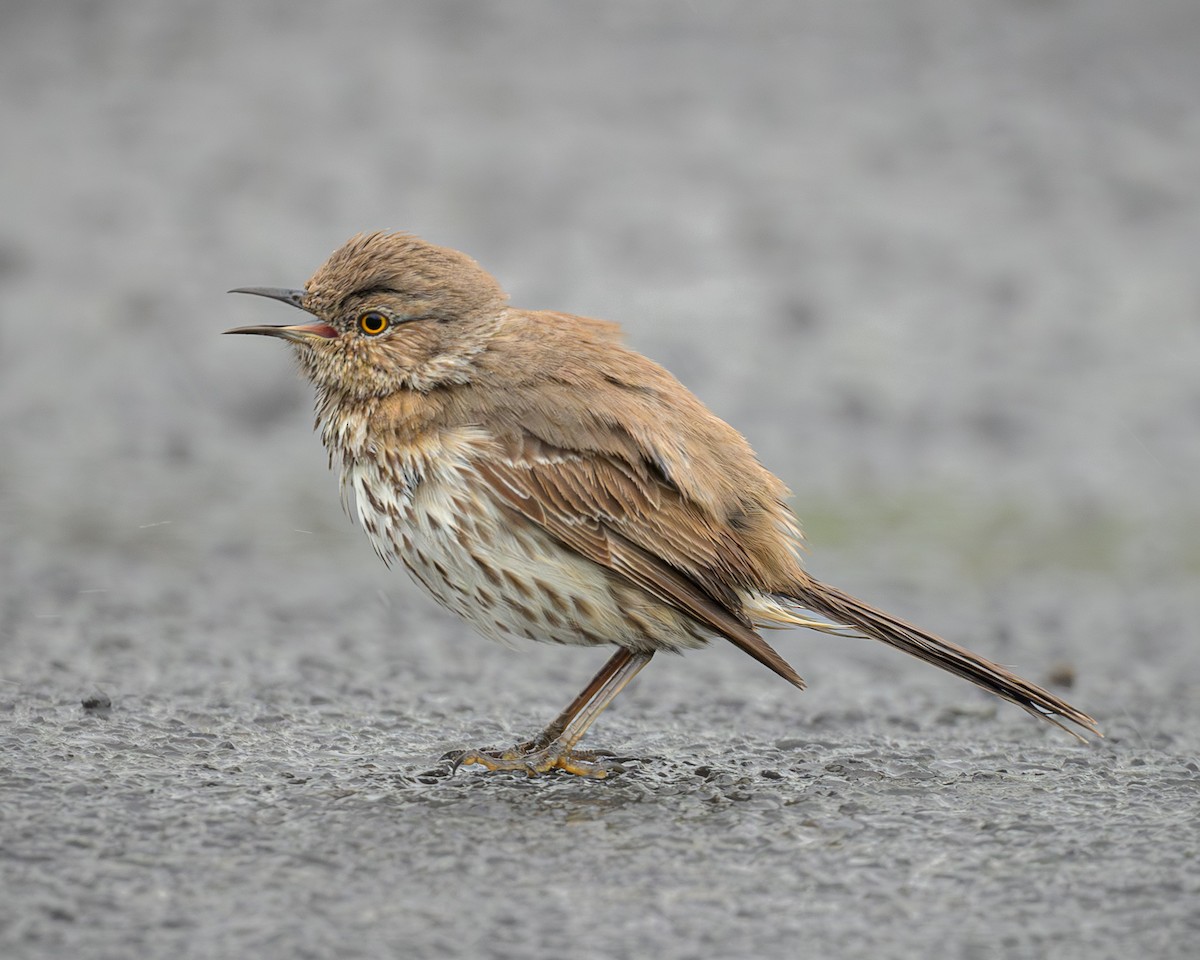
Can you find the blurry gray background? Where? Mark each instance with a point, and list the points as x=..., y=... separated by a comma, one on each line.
x=936, y=259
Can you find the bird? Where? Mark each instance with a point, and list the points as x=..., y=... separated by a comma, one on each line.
x=544, y=480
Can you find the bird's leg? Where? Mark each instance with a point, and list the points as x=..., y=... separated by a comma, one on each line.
x=563, y=720
x=554, y=747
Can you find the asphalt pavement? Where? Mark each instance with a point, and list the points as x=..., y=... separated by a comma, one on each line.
x=936, y=260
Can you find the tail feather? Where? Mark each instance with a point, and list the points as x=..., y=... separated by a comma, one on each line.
x=845, y=609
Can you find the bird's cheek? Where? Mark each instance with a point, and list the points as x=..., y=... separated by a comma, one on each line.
x=398, y=354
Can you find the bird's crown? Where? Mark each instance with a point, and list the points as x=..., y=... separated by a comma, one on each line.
x=415, y=279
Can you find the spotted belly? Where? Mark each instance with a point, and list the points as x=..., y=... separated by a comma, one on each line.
x=505, y=576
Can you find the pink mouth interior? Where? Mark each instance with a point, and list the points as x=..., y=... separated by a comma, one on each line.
x=320, y=329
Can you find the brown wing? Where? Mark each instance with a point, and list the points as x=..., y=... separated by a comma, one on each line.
x=624, y=517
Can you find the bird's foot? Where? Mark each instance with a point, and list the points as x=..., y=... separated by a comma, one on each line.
x=535, y=757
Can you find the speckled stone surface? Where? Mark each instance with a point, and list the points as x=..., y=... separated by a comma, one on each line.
x=936, y=259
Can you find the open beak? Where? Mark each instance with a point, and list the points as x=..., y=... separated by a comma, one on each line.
x=299, y=333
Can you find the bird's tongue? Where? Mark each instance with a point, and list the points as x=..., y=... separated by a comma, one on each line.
x=319, y=329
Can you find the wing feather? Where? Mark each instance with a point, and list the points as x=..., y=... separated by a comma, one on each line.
x=625, y=518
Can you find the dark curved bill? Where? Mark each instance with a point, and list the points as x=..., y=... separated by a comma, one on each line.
x=298, y=333
x=293, y=297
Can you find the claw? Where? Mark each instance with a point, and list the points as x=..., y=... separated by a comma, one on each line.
x=581, y=763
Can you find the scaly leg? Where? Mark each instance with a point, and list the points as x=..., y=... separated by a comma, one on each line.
x=555, y=746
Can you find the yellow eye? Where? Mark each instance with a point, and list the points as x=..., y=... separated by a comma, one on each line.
x=372, y=323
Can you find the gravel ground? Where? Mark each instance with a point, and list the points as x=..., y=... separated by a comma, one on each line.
x=936, y=259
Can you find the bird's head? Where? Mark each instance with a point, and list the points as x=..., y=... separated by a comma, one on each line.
x=391, y=312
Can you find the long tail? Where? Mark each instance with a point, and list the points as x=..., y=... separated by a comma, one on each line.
x=845, y=609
